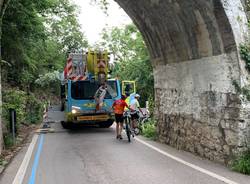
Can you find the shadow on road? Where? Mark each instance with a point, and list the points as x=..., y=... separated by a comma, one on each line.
x=79, y=129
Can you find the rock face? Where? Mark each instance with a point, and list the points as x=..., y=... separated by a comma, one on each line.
x=194, y=51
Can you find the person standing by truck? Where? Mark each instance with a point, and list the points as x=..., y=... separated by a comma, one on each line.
x=119, y=106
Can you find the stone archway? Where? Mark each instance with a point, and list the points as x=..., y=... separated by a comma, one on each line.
x=194, y=51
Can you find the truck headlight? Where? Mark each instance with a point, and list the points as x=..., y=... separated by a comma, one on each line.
x=75, y=109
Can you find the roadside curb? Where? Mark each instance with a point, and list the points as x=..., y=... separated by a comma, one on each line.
x=8, y=159
x=44, y=130
x=1, y=169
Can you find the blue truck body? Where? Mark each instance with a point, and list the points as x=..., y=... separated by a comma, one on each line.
x=80, y=105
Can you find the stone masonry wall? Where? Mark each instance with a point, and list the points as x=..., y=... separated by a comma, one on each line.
x=197, y=108
x=194, y=47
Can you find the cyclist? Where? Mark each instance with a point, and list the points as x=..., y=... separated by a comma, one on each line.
x=135, y=108
x=118, y=107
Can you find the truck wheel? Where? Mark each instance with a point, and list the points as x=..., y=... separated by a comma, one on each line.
x=62, y=107
x=106, y=124
x=65, y=125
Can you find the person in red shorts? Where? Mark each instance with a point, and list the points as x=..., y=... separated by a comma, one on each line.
x=118, y=107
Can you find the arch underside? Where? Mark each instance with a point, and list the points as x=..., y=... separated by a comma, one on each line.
x=180, y=30
x=193, y=47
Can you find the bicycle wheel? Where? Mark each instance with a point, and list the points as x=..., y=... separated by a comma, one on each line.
x=128, y=131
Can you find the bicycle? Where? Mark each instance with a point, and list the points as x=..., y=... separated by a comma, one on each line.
x=139, y=122
x=143, y=119
x=128, y=130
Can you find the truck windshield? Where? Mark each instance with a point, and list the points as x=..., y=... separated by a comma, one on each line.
x=86, y=90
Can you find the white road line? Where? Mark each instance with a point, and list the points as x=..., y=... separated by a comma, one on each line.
x=221, y=178
x=22, y=169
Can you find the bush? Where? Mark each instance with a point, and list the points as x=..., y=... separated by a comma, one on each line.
x=3, y=162
x=34, y=109
x=151, y=105
x=245, y=55
x=149, y=130
x=242, y=163
x=28, y=108
x=8, y=140
x=14, y=99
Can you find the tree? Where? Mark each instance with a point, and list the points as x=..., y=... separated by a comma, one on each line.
x=64, y=28
x=37, y=38
x=103, y=4
x=3, y=6
x=131, y=57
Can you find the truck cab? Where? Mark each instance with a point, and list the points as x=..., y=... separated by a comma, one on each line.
x=80, y=105
x=87, y=92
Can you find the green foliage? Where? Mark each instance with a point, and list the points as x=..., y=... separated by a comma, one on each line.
x=34, y=109
x=48, y=79
x=151, y=104
x=28, y=108
x=14, y=99
x=140, y=71
x=8, y=140
x=245, y=91
x=247, y=4
x=103, y=4
x=237, y=86
x=242, y=163
x=245, y=55
x=3, y=162
x=36, y=38
x=131, y=58
x=125, y=43
x=65, y=28
x=149, y=130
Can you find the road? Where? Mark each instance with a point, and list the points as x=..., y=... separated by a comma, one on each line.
x=94, y=156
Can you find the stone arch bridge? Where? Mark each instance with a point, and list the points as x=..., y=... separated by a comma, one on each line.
x=194, y=48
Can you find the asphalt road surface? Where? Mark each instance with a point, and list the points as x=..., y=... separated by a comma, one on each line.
x=94, y=156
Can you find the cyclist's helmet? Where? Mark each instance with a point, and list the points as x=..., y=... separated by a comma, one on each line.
x=137, y=95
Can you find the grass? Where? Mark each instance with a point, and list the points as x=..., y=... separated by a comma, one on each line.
x=8, y=140
x=242, y=163
x=149, y=130
x=3, y=162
